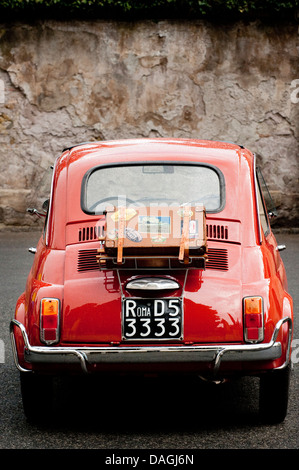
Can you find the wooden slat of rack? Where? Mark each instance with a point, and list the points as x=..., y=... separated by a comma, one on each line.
x=121, y=234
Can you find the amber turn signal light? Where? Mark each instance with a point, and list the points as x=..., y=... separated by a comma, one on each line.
x=253, y=305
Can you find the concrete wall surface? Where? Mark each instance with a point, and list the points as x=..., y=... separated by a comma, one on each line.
x=62, y=83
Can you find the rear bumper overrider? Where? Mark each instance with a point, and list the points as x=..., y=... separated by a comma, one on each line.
x=214, y=354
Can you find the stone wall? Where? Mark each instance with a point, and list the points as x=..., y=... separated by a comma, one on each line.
x=62, y=83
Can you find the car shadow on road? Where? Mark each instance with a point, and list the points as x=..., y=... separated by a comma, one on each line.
x=153, y=404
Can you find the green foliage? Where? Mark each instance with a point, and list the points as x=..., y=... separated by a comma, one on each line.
x=153, y=8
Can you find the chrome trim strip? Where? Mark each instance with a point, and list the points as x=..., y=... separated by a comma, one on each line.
x=276, y=331
x=14, y=347
x=256, y=199
x=49, y=218
x=165, y=354
x=155, y=354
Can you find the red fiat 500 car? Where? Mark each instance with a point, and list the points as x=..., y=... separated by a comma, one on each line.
x=156, y=256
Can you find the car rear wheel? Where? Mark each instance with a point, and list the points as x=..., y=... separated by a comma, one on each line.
x=37, y=396
x=274, y=395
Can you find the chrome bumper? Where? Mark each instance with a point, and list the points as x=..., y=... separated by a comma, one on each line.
x=214, y=354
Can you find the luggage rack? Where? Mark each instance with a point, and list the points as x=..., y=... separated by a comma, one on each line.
x=150, y=263
x=154, y=238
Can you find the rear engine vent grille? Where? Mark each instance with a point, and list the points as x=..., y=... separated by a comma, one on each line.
x=218, y=232
x=91, y=233
x=217, y=259
x=87, y=260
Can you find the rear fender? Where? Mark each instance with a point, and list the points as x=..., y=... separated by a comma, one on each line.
x=39, y=291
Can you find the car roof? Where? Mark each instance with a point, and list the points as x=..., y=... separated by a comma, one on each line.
x=88, y=154
x=196, y=142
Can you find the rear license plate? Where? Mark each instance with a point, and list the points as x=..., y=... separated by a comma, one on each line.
x=152, y=319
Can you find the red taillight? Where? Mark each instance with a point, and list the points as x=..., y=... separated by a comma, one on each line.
x=49, y=320
x=253, y=319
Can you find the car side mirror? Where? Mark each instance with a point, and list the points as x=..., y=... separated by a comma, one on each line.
x=40, y=214
x=281, y=247
x=34, y=211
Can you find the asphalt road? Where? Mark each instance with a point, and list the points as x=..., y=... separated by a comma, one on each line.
x=143, y=414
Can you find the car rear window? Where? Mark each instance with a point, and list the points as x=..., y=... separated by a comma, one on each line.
x=152, y=184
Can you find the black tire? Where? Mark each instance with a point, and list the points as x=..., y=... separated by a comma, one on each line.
x=274, y=395
x=37, y=396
